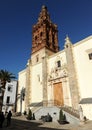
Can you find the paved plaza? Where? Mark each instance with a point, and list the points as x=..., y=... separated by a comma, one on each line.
x=20, y=123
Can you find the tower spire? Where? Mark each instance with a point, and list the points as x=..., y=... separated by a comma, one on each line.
x=67, y=39
x=44, y=15
x=45, y=33
x=67, y=42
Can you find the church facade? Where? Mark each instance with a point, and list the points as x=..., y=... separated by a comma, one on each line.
x=56, y=77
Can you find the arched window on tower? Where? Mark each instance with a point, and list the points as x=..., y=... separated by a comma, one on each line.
x=37, y=58
x=35, y=37
x=41, y=34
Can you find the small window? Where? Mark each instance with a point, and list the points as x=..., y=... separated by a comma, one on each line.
x=41, y=34
x=59, y=63
x=9, y=88
x=90, y=56
x=66, y=46
x=35, y=37
x=8, y=99
x=37, y=58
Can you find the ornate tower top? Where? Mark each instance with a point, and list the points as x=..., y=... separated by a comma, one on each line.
x=67, y=42
x=44, y=15
x=45, y=33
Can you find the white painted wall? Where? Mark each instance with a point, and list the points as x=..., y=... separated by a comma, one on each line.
x=84, y=66
x=84, y=72
x=11, y=94
x=87, y=110
x=36, y=83
x=21, y=84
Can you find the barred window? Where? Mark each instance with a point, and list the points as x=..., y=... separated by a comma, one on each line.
x=10, y=88
x=58, y=63
x=8, y=99
x=37, y=58
x=90, y=56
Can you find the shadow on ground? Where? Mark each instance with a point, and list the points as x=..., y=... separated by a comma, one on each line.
x=26, y=125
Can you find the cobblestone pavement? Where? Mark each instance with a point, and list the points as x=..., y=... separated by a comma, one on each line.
x=20, y=123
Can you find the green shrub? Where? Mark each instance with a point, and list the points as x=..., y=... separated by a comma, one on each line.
x=33, y=116
x=61, y=115
x=29, y=117
x=62, y=118
x=25, y=113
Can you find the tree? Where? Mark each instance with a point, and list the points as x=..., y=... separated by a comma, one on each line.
x=21, y=96
x=33, y=116
x=62, y=118
x=29, y=117
x=5, y=76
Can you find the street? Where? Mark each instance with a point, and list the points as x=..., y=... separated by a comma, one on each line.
x=20, y=123
x=17, y=124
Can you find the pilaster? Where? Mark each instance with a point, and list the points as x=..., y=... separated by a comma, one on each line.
x=71, y=73
x=28, y=87
x=44, y=79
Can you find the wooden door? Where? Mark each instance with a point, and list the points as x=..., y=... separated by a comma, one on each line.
x=58, y=94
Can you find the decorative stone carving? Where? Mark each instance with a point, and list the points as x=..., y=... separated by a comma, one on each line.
x=58, y=72
x=64, y=73
x=45, y=33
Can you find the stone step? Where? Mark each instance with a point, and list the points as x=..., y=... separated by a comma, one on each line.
x=71, y=111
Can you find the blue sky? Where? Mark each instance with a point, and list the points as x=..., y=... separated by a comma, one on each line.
x=73, y=17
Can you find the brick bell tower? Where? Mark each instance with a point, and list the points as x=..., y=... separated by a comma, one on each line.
x=44, y=33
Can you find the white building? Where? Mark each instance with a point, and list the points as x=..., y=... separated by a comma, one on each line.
x=56, y=77
x=10, y=94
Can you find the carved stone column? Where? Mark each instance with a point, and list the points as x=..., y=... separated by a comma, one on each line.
x=28, y=87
